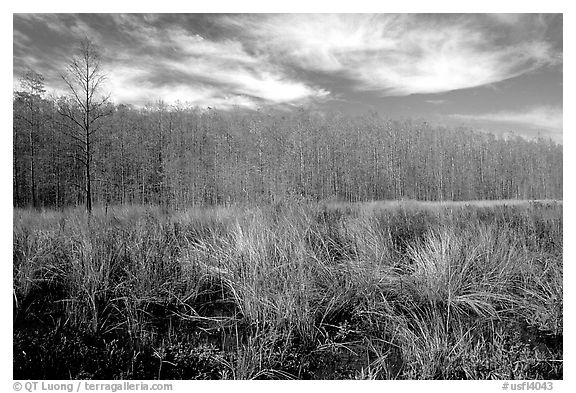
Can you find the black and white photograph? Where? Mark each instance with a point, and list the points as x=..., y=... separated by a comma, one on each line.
x=287, y=196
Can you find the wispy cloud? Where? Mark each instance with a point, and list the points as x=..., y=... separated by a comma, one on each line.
x=399, y=55
x=147, y=61
x=188, y=67
x=436, y=102
x=542, y=117
x=286, y=59
x=63, y=24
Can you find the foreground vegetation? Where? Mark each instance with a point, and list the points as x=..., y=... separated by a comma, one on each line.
x=399, y=290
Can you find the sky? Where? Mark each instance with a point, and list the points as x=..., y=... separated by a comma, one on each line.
x=500, y=73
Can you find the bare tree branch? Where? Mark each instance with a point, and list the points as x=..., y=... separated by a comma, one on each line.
x=84, y=79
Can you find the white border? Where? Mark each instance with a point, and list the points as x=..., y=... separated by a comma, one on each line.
x=248, y=6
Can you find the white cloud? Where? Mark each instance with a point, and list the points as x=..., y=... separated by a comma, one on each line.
x=234, y=76
x=226, y=90
x=270, y=59
x=397, y=54
x=542, y=117
x=142, y=92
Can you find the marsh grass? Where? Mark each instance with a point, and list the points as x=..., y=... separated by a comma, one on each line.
x=401, y=290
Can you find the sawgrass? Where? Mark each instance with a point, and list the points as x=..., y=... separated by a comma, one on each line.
x=404, y=290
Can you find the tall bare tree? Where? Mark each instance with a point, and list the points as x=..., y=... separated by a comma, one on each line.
x=84, y=78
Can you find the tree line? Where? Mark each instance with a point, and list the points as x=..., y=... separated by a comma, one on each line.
x=83, y=149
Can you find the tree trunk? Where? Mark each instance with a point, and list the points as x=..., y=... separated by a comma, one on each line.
x=32, y=170
x=88, y=182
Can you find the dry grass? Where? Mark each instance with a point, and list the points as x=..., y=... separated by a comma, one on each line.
x=377, y=290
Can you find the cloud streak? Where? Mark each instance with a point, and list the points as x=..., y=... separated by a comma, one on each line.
x=542, y=117
x=398, y=55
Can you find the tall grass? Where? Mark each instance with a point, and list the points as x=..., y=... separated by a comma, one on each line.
x=295, y=290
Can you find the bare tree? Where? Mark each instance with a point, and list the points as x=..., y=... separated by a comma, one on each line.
x=84, y=78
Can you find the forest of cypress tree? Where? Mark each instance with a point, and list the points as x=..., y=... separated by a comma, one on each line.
x=183, y=156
